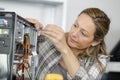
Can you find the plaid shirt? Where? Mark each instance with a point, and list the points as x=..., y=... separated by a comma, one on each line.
x=49, y=57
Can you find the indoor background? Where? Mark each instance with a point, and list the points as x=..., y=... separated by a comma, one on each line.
x=64, y=12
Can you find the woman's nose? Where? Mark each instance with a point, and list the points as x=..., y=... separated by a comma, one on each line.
x=75, y=34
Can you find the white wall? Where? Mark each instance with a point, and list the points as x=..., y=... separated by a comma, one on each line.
x=46, y=11
x=111, y=7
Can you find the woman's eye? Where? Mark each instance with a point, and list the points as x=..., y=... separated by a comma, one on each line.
x=84, y=34
x=75, y=25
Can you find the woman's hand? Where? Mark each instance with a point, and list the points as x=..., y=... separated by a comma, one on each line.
x=57, y=35
x=36, y=23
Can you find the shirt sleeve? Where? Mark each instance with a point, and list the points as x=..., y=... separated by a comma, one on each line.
x=92, y=72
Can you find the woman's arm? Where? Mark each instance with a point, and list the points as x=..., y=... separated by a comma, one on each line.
x=71, y=62
x=57, y=35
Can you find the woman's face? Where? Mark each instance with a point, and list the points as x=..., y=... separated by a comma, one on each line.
x=81, y=34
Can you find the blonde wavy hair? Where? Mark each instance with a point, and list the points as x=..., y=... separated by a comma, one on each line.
x=102, y=23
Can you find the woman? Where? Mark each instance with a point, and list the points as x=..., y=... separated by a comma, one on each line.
x=82, y=50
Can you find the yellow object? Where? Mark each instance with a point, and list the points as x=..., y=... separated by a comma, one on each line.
x=54, y=77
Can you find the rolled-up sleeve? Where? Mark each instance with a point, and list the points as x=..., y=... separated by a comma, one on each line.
x=91, y=72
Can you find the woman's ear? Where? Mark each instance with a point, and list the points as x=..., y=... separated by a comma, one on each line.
x=96, y=42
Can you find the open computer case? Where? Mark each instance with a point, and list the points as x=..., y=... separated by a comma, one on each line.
x=18, y=40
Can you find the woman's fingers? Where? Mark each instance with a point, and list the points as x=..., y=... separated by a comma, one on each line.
x=50, y=33
x=53, y=32
x=36, y=23
x=53, y=28
x=57, y=36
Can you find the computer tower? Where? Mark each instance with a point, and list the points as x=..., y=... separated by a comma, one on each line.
x=17, y=37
